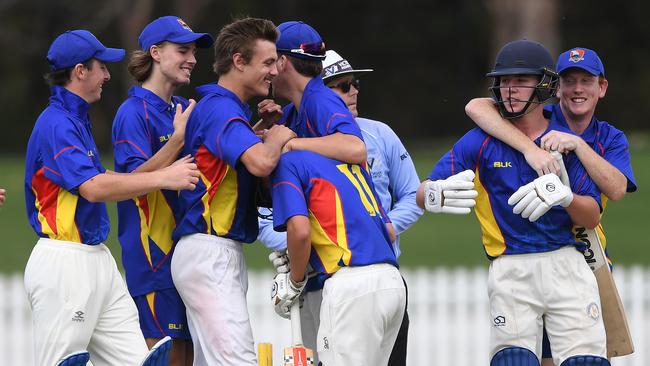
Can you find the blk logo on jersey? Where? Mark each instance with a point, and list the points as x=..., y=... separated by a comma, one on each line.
x=165, y=137
x=502, y=164
x=499, y=321
x=172, y=326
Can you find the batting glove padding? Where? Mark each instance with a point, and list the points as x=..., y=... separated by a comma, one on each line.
x=280, y=261
x=284, y=293
x=537, y=197
x=454, y=195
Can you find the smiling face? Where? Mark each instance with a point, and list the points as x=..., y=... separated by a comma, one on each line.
x=176, y=61
x=516, y=91
x=350, y=98
x=260, y=71
x=94, y=78
x=579, y=93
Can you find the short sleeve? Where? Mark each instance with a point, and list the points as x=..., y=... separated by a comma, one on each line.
x=328, y=115
x=235, y=138
x=131, y=140
x=65, y=156
x=617, y=153
x=288, y=196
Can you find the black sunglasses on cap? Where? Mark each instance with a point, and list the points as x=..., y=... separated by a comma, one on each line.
x=345, y=85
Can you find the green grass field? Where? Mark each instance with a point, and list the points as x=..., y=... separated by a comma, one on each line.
x=435, y=240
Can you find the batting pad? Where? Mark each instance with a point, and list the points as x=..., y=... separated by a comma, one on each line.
x=75, y=359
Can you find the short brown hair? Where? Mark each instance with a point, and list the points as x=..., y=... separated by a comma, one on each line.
x=308, y=68
x=140, y=65
x=62, y=77
x=239, y=37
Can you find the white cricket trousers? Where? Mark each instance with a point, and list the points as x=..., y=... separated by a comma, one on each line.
x=209, y=273
x=79, y=301
x=557, y=288
x=360, y=315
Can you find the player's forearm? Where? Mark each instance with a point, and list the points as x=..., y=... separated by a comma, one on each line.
x=584, y=211
x=485, y=114
x=339, y=146
x=164, y=157
x=260, y=159
x=405, y=212
x=419, y=195
x=298, y=246
x=270, y=238
x=609, y=180
x=118, y=187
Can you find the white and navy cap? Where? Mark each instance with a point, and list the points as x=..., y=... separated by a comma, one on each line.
x=334, y=65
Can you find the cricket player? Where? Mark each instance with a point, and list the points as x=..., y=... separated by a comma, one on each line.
x=77, y=296
x=320, y=119
x=215, y=220
x=3, y=195
x=148, y=134
x=602, y=149
x=537, y=271
x=335, y=222
x=395, y=180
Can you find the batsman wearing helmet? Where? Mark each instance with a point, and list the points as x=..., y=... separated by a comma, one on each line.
x=537, y=272
x=601, y=148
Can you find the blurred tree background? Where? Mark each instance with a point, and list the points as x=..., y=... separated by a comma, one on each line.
x=430, y=57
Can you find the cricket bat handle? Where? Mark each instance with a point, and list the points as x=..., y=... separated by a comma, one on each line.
x=564, y=176
x=296, y=331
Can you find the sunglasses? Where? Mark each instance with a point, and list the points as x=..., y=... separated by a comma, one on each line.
x=308, y=49
x=345, y=85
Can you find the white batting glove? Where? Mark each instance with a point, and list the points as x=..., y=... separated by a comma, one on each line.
x=280, y=261
x=454, y=195
x=537, y=197
x=284, y=293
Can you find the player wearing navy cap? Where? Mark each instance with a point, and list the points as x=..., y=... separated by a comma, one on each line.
x=315, y=111
x=148, y=134
x=77, y=295
x=334, y=222
x=601, y=148
x=535, y=268
x=395, y=180
x=208, y=266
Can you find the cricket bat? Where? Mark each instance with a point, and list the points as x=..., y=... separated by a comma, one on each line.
x=619, y=339
x=297, y=354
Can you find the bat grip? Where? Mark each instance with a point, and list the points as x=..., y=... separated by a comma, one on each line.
x=564, y=176
x=296, y=331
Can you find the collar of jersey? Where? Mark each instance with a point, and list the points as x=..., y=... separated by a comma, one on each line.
x=589, y=134
x=70, y=101
x=216, y=89
x=151, y=98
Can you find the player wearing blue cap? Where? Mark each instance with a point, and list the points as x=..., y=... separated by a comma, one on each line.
x=208, y=266
x=315, y=111
x=148, y=134
x=601, y=148
x=77, y=295
x=537, y=272
x=334, y=222
x=395, y=180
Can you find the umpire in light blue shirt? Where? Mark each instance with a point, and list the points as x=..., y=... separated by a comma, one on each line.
x=395, y=180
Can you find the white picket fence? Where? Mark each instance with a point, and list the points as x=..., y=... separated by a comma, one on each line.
x=448, y=310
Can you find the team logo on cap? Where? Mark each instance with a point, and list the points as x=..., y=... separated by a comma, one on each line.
x=576, y=55
x=183, y=24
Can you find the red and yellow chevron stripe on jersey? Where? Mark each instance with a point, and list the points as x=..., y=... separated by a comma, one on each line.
x=220, y=198
x=56, y=209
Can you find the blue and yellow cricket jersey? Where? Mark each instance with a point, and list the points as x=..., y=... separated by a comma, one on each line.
x=322, y=112
x=608, y=142
x=61, y=155
x=347, y=221
x=500, y=171
x=223, y=203
x=142, y=126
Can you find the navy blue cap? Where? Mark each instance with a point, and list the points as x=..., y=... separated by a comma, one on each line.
x=172, y=29
x=300, y=40
x=581, y=58
x=78, y=46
